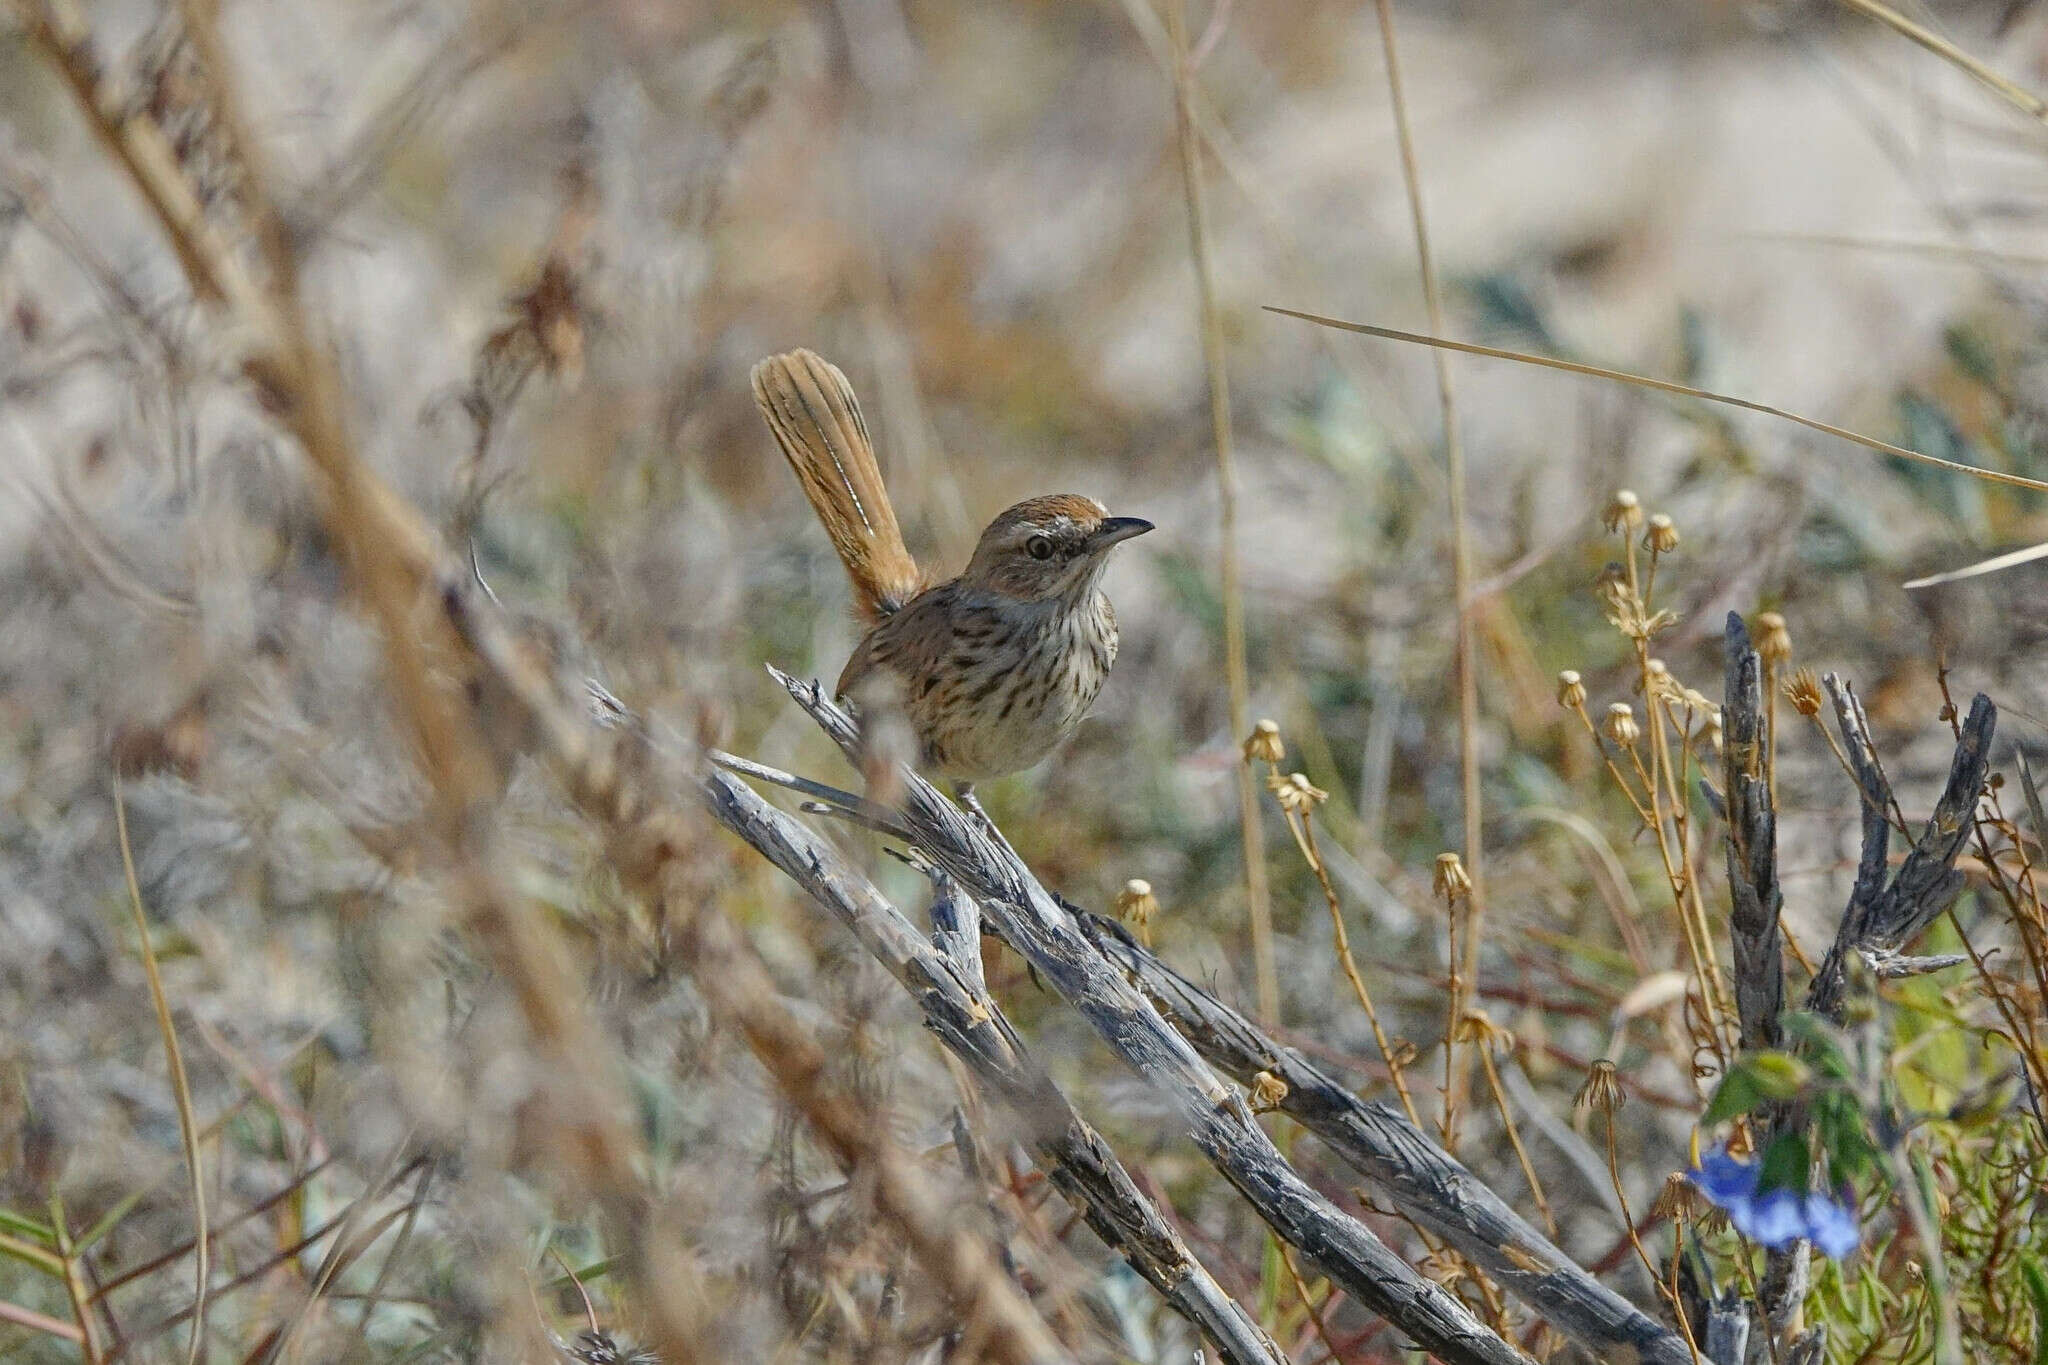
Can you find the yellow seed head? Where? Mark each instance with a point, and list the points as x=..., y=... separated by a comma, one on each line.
x=1662, y=536
x=1620, y=725
x=1451, y=879
x=1804, y=692
x=1295, y=793
x=1267, y=1092
x=1773, y=640
x=1601, y=1091
x=1678, y=1201
x=1666, y=687
x=1624, y=512
x=1571, y=690
x=1476, y=1026
x=1263, y=744
x=1135, y=905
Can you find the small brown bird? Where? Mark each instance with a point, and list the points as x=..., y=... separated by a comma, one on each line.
x=993, y=668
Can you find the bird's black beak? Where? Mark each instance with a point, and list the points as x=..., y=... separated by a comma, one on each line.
x=1115, y=530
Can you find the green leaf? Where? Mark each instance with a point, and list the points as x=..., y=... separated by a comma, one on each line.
x=1754, y=1080
x=1737, y=1094
x=1821, y=1043
x=109, y=1221
x=27, y=1227
x=1780, y=1075
x=1786, y=1162
x=1844, y=1136
x=14, y=1248
x=2037, y=1290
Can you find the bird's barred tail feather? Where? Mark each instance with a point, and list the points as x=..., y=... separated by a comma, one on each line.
x=811, y=409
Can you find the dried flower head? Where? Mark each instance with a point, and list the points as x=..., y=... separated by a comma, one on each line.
x=1451, y=879
x=1624, y=512
x=1773, y=640
x=1804, y=692
x=1678, y=1201
x=1662, y=536
x=1658, y=684
x=1620, y=725
x=1601, y=1091
x=1267, y=1092
x=1263, y=744
x=1296, y=794
x=1476, y=1026
x=1135, y=905
x=1571, y=690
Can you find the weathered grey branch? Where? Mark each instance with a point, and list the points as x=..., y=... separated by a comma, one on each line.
x=1724, y=1313
x=1874, y=800
x=956, y=928
x=1880, y=919
x=1752, y=847
x=1883, y=918
x=840, y=802
x=1757, y=944
x=1031, y=921
x=959, y=1011
x=1400, y=1162
x=633, y=788
x=1888, y=965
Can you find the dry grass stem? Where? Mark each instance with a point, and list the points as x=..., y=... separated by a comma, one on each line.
x=2020, y=98
x=1465, y=973
x=1302, y=826
x=181, y=1089
x=1666, y=386
x=1483, y=1044
x=1258, y=899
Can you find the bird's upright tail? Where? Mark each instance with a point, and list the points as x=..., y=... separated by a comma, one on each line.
x=816, y=420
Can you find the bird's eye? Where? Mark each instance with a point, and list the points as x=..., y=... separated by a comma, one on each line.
x=1038, y=547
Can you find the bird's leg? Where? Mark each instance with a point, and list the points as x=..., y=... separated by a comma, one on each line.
x=965, y=791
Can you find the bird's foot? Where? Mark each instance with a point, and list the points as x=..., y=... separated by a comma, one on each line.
x=973, y=806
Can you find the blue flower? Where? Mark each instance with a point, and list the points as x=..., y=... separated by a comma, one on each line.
x=1723, y=1179
x=1831, y=1226
x=1775, y=1218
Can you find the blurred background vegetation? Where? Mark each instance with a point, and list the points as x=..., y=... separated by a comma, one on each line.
x=546, y=242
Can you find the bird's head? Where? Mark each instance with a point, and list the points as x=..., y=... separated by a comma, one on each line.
x=1049, y=547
